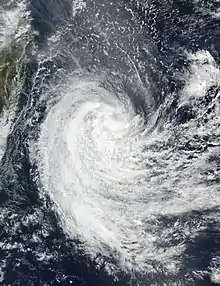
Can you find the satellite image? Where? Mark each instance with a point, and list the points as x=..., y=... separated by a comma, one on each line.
x=109, y=142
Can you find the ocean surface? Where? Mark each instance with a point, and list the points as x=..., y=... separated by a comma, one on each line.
x=109, y=152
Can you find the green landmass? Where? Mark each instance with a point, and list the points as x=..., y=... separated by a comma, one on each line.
x=13, y=67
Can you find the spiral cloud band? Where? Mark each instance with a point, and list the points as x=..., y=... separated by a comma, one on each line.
x=112, y=181
x=91, y=148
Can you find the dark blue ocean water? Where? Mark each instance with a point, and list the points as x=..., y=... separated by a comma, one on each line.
x=35, y=250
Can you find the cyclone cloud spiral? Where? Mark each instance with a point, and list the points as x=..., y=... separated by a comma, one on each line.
x=91, y=147
x=109, y=152
x=114, y=182
x=118, y=187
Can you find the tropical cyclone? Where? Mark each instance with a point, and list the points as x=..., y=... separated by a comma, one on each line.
x=121, y=119
x=90, y=151
x=116, y=180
